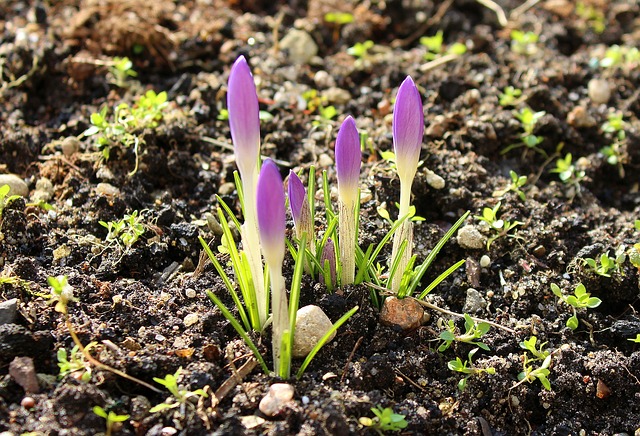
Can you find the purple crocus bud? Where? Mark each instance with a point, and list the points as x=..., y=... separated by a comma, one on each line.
x=328, y=257
x=271, y=213
x=297, y=197
x=408, y=129
x=348, y=160
x=244, y=117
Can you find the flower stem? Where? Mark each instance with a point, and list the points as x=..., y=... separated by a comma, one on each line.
x=347, y=241
x=404, y=232
x=279, y=308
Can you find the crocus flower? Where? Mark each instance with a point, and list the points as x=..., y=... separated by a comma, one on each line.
x=328, y=256
x=408, y=129
x=348, y=160
x=297, y=200
x=271, y=213
x=244, y=118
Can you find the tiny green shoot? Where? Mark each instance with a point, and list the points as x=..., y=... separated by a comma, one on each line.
x=182, y=397
x=524, y=43
x=517, y=182
x=112, y=418
x=468, y=368
x=580, y=299
x=531, y=373
x=385, y=420
x=500, y=227
x=510, y=96
x=473, y=332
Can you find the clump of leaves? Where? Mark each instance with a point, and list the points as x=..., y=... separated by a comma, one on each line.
x=499, y=226
x=593, y=16
x=182, y=397
x=531, y=373
x=385, y=420
x=436, y=49
x=467, y=367
x=621, y=56
x=524, y=43
x=112, y=418
x=605, y=264
x=473, y=331
x=318, y=103
x=580, y=299
x=511, y=96
x=517, y=182
x=361, y=49
x=616, y=153
x=124, y=129
x=75, y=363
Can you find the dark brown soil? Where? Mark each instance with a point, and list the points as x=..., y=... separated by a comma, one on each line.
x=133, y=302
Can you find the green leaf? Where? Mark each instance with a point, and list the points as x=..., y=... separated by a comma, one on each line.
x=572, y=322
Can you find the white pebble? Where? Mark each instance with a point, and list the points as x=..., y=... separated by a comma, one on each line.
x=311, y=325
x=485, y=261
x=190, y=319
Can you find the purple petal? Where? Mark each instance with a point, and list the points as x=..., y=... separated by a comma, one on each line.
x=348, y=158
x=329, y=254
x=271, y=212
x=297, y=195
x=408, y=125
x=244, y=117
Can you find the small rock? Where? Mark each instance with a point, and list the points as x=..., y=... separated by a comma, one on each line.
x=28, y=402
x=470, y=237
x=322, y=79
x=17, y=186
x=105, y=174
x=580, y=118
x=70, y=145
x=485, y=261
x=227, y=188
x=8, y=311
x=43, y=192
x=191, y=319
x=325, y=161
x=434, y=180
x=107, y=190
x=405, y=313
x=599, y=91
x=24, y=373
x=336, y=95
x=475, y=302
x=300, y=45
x=311, y=325
x=278, y=396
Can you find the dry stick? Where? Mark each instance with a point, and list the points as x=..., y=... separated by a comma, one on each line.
x=460, y=315
x=409, y=380
x=425, y=26
x=95, y=362
x=235, y=378
x=438, y=62
x=495, y=7
x=353, y=352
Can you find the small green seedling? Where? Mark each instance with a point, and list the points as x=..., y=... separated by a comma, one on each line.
x=340, y=18
x=634, y=252
x=5, y=199
x=579, y=300
x=529, y=373
x=112, y=418
x=621, y=56
x=361, y=49
x=436, y=49
x=636, y=339
x=524, y=43
x=385, y=420
x=75, y=363
x=616, y=153
x=127, y=230
x=517, y=182
x=528, y=120
x=593, y=17
x=569, y=174
x=473, y=331
x=120, y=70
x=511, y=96
x=182, y=397
x=467, y=368
x=499, y=226
x=605, y=265
x=61, y=293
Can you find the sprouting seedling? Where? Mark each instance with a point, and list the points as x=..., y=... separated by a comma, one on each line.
x=75, y=363
x=636, y=339
x=499, y=226
x=348, y=162
x=593, y=16
x=467, y=367
x=112, y=418
x=524, y=42
x=517, y=182
x=182, y=397
x=510, y=96
x=244, y=122
x=408, y=130
x=473, y=331
x=5, y=198
x=435, y=46
x=338, y=19
x=271, y=227
x=621, y=56
x=605, y=264
x=531, y=373
x=120, y=70
x=569, y=174
x=580, y=299
x=127, y=230
x=616, y=153
x=361, y=49
x=528, y=120
x=385, y=420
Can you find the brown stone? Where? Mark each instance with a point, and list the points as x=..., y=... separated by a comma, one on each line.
x=405, y=313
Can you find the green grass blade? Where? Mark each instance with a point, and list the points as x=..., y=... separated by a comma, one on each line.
x=324, y=340
x=238, y=182
x=236, y=325
x=285, y=355
x=296, y=284
x=227, y=283
x=440, y=278
x=396, y=261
